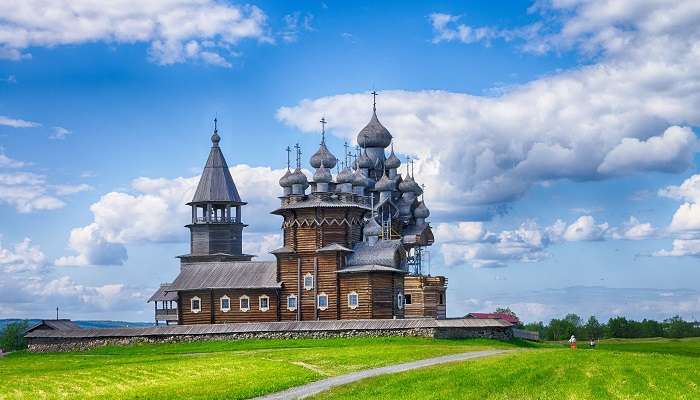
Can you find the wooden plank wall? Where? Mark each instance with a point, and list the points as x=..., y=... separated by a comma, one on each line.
x=359, y=283
x=254, y=314
x=425, y=295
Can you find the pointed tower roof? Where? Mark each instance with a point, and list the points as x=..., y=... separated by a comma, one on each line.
x=374, y=134
x=216, y=183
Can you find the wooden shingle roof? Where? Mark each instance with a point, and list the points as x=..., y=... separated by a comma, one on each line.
x=216, y=183
x=227, y=275
x=162, y=294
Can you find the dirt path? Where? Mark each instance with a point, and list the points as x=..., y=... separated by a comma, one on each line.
x=313, y=388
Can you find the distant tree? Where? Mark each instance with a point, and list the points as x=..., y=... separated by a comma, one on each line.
x=536, y=327
x=676, y=327
x=651, y=328
x=560, y=329
x=12, y=336
x=593, y=329
x=574, y=320
x=506, y=310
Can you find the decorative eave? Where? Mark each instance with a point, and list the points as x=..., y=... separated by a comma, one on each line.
x=283, y=250
x=334, y=247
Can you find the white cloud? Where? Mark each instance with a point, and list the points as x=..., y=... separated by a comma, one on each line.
x=27, y=192
x=586, y=229
x=446, y=29
x=294, y=24
x=634, y=230
x=687, y=216
x=682, y=248
x=22, y=257
x=671, y=152
x=177, y=30
x=59, y=133
x=586, y=123
x=156, y=212
x=17, y=123
x=63, y=190
x=7, y=162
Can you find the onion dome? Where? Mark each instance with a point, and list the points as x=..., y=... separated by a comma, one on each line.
x=359, y=180
x=374, y=134
x=409, y=185
x=344, y=176
x=421, y=211
x=392, y=162
x=363, y=161
x=323, y=175
x=385, y=184
x=323, y=156
x=215, y=138
x=372, y=228
x=284, y=180
x=298, y=177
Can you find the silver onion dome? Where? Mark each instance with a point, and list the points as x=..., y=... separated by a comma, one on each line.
x=359, y=180
x=409, y=185
x=344, y=176
x=421, y=211
x=372, y=228
x=323, y=175
x=363, y=161
x=298, y=177
x=385, y=184
x=374, y=134
x=323, y=156
x=284, y=180
x=392, y=162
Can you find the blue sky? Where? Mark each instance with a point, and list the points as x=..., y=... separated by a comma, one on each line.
x=557, y=141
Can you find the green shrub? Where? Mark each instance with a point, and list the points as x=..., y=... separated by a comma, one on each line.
x=12, y=337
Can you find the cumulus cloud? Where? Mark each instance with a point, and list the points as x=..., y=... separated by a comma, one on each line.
x=16, y=122
x=586, y=123
x=22, y=257
x=687, y=216
x=177, y=30
x=27, y=192
x=446, y=29
x=633, y=229
x=155, y=212
x=682, y=248
x=585, y=229
x=671, y=152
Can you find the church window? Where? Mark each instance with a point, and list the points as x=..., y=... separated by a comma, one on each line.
x=399, y=300
x=264, y=302
x=353, y=300
x=407, y=299
x=308, y=281
x=322, y=301
x=245, y=303
x=442, y=298
x=225, y=303
x=291, y=302
x=196, y=304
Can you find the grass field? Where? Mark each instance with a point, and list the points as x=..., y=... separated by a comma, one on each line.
x=208, y=370
x=617, y=369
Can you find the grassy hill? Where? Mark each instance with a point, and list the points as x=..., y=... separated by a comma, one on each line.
x=617, y=369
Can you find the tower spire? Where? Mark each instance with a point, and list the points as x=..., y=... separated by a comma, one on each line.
x=374, y=100
x=298, y=154
x=288, y=150
x=346, y=146
x=323, y=130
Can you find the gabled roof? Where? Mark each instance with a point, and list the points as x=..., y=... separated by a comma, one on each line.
x=503, y=316
x=162, y=294
x=54, y=324
x=216, y=183
x=383, y=252
x=333, y=247
x=227, y=275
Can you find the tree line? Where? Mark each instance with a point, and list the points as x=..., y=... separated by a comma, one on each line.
x=617, y=327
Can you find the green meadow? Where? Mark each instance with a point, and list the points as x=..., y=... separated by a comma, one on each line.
x=616, y=369
x=208, y=370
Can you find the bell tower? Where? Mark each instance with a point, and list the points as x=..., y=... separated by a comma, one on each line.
x=216, y=229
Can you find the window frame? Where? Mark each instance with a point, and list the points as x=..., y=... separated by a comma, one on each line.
x=357, y=300
x=296, y=302
x=199, y=302
x=313, y=281
x=407, y=299
x=318, y=301
x=221, y=303
x=260, y=299
x=400, y=300
x=441, y=299
x=240, y=303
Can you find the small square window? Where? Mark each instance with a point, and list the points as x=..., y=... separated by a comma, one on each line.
x=225, y=303
x=264, y=303
x=196, y=305
x=308, y=281
x=407, y=299
x=322, y=301
x=245, y=303
x=291, y=302
x=353, y=300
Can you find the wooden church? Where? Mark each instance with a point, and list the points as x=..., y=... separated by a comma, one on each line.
x=352, y=248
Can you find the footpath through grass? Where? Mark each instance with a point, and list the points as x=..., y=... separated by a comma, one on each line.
x=617, y=369
x=209, y=370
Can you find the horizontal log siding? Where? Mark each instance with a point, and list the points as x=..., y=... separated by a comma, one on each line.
x=187, y=316
x=425, y=296
x=287, y=271
x=253, y=315
x=326, y=283
x=359, y=283
x=382, y=295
